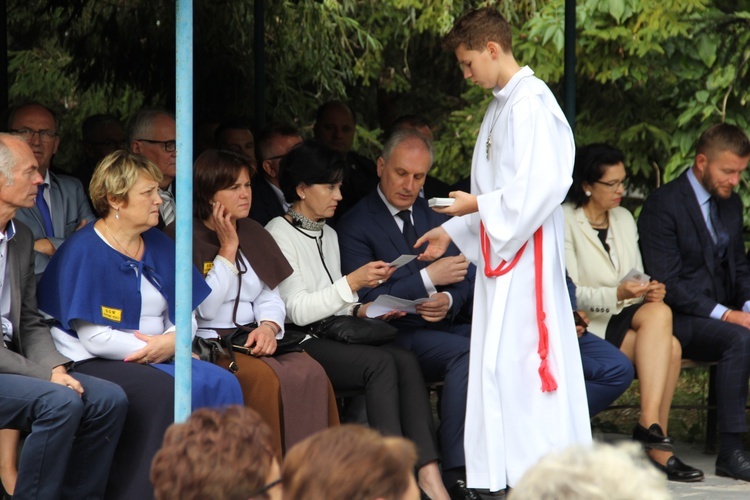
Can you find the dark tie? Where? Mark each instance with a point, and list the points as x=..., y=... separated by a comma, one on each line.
x=49, y=232
x=410, y=234
x=722, y=235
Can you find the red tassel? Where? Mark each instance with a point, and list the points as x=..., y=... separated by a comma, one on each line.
x=548, y=380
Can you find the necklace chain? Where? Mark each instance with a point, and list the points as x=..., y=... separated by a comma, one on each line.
x=120, y=244
x=488, y=144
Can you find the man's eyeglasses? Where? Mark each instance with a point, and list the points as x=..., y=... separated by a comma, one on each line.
x=613, y=185
x=169, y=146
x=27, y=134
x=264, y=490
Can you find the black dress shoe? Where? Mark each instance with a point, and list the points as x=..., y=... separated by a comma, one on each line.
x=736, y=465
x=459, y=491
x=677, y=470
x=653, y=438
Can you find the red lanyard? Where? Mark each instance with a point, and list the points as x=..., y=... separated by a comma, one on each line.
x=548, y=380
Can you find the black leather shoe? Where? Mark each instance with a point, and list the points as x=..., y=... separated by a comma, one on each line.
x=677, y=470
x=736, y=465
x=653, y=438
x=459, y=491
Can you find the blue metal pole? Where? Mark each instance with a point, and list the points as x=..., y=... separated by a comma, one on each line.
x=184, y=212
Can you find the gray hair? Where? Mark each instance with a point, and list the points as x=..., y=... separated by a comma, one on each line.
x=598, y=472
x=141, y=123
x=404, y=135
x=8, y=159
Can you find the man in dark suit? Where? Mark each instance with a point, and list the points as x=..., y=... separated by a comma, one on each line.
x=72, y=418
x=61, y=205
x=385, y=225
x=691, y=240
x=335, y=127
x=152, y=133
x=273, y=145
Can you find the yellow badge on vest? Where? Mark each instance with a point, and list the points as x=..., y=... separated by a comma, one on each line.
x=112, y=314
x=207, y=266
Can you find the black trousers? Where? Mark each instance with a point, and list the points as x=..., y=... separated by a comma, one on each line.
x=395, y=392
x=707, y=339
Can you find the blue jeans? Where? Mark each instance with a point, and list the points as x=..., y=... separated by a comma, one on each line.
x=65, y=429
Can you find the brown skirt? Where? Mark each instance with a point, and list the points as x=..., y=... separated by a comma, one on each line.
x=291, y=392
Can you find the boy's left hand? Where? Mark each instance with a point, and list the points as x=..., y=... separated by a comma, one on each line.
x=465, y=204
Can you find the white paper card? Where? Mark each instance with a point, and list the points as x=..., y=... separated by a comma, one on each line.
x=403, y=260
x=637, y=276
x=440, y=202
x=387, y=303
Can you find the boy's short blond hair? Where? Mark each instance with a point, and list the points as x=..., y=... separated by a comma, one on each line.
x=477, y=28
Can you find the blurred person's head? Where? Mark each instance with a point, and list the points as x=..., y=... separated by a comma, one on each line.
x=597, y=472
x=403, y=167
x=102, y=134
x=37, y=125
x=235, y=135
x=415, y=122
x=117, y=182
x=310, y=178
x=273, y=144
x=221, y=176
x=721, y=155
x=153, y=134
x=221, y=454
x=598, y=177
x=350, y=462
x=334, y=126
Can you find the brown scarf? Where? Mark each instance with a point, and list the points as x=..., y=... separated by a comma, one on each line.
x=257, y=245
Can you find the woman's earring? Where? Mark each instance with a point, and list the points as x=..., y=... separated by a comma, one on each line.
x=117, y=214
x=303, y=197
x=588, y=193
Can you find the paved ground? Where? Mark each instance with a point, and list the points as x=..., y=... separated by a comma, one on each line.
x=712, y=488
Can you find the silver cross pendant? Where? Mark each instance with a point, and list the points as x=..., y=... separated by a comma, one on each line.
x=487, y=146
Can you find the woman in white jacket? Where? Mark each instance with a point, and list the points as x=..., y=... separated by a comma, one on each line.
x=601, y=249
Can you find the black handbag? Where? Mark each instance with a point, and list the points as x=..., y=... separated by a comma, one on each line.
x=236, y=340
x=354, y=330
x=208, y=349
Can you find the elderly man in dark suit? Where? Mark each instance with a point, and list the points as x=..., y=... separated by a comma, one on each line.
x=73, y=419
x=385, y=225
x=61, y=205
x=691, y=240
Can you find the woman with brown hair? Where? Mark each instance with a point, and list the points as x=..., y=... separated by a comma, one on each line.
x=243, y=266
x=350, y=463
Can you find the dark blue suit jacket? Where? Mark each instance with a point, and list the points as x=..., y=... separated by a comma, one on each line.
x=369, y=232
x=265, y=205
x=677, y=249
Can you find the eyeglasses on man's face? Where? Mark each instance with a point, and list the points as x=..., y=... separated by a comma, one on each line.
x=169, y=146
x=27, y=134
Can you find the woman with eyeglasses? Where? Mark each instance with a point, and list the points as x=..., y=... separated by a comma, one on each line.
x=628, y=310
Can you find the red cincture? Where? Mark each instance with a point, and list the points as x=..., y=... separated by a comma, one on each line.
x=548, y=380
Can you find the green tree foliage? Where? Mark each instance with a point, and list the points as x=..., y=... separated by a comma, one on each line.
x=650, y=75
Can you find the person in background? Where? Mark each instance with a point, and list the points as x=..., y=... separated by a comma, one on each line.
x=153, y=134
x=101, y=135
x=335, y=127
x=692, y=240
x=601, y=249
x=235, y=135
x=61, y=206
x=273, y=145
